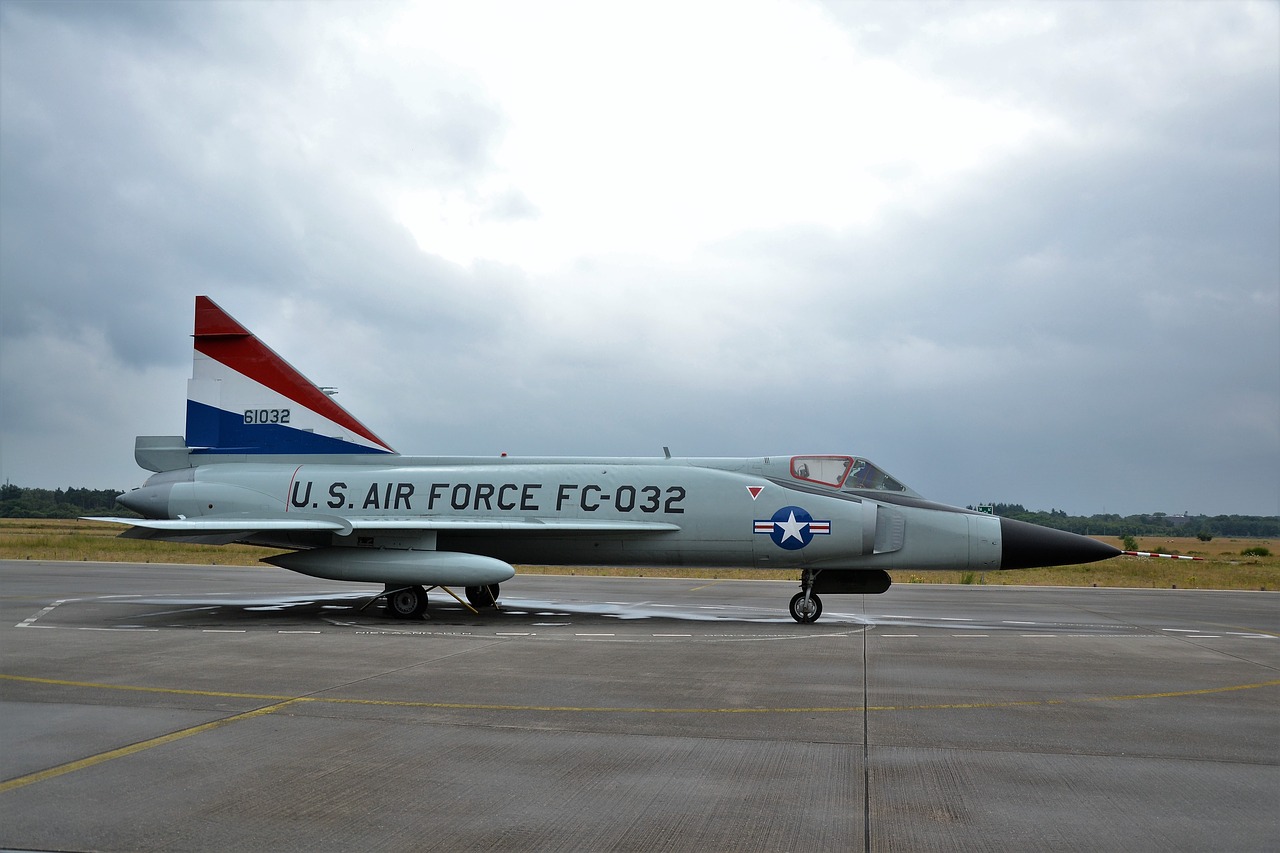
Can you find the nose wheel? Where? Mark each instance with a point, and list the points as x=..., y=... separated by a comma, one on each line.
x=804, y=609
x=806, y=606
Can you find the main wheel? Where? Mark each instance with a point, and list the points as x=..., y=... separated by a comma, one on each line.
x=482, y=596
x=407, y=603
x=803, y=611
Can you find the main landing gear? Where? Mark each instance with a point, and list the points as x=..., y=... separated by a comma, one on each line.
x=806, y=606
x=407, y=602
x=483, y=596
x=410, y=602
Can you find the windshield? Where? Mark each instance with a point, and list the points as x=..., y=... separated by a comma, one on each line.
x=845, y=472
x=827, y=470
x=867, y=476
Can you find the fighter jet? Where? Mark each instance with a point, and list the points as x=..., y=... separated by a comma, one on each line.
x=269, y=458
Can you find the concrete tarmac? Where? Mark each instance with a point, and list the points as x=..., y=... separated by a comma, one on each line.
x=158, y=707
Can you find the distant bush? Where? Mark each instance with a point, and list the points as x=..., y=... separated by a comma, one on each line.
x=1204, y=536
x=19, y=502
x=1256, y=551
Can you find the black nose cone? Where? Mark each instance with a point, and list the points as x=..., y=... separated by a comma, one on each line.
x=1026, y=546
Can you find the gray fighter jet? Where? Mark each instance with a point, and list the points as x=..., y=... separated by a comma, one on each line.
x=271, y=459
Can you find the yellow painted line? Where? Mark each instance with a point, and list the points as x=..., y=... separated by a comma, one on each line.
x=73, y=766
x=169, y=691
x=705, y=585
x=1203, y=692
x=476, y=706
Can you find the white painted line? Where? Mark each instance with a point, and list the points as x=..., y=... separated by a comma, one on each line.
x=30, y=620
x=1182, y=630
x=673, y=635
x=192, y=610
x=297, y=632
x=595, y=635
x=1016, y=622
x=954, y=619
x=226, y=631
x=965, y=636
x=1037, y=635
x=899, y=635
x=512, y=634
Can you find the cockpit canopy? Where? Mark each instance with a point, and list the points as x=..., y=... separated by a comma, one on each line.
x=848, y=473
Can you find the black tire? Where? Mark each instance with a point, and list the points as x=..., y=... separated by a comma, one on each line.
x=407, y=603
x=805, y=616
x=482, y=596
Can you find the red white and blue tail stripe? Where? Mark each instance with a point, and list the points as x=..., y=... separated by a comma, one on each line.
x=243, y=398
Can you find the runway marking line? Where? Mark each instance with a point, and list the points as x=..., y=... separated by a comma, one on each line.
x=131, y=749
x=31, y=620
x=282, y=701
x=705, y=585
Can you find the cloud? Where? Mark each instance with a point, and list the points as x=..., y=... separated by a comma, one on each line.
x=1011, y=252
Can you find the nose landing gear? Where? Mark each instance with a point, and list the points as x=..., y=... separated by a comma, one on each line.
x=806, y=606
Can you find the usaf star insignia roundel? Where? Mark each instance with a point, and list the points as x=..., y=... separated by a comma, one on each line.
x=791, y=528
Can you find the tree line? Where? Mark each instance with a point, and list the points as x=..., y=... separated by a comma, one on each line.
x=1153, y=524
x=19, y=502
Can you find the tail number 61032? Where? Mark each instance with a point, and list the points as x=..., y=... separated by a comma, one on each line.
x=266, y=416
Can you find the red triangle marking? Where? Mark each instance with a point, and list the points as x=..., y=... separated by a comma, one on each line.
x=755, y=491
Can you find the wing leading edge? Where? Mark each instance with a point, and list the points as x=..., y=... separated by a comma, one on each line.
x=345, y=527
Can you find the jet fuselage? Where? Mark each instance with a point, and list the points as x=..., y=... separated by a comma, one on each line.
x=269, y=458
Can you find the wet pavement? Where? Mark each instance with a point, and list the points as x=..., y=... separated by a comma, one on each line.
x=149, y=707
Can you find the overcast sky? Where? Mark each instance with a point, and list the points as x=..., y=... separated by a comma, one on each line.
x=1022, y=252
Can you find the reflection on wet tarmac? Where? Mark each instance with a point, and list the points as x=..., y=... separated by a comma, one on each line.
x=352, y=610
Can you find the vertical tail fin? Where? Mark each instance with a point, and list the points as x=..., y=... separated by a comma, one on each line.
x=243, y=398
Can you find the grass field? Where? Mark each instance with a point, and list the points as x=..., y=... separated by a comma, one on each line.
x=1224, y=566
